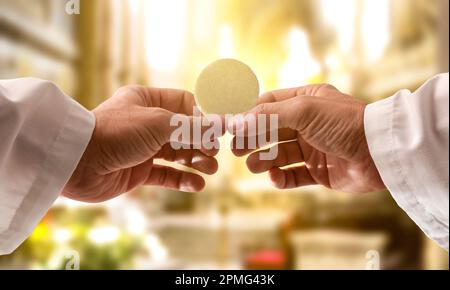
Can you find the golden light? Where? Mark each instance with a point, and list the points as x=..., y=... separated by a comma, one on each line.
x=62, y=236
x=375, y=28
x=165, y=24
x=134, y=6
x=300, y=67
x=226, y=45
x=136, y=222
x=255, y=184
x=156, y=249
x=340, y=15
x=104, y=235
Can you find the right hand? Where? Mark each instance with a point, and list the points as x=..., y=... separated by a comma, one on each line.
x=322, y=128
x=132, y=131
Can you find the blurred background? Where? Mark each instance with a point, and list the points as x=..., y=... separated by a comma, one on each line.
x=368, y=48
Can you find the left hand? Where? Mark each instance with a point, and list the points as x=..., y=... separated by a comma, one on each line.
x=322, y=140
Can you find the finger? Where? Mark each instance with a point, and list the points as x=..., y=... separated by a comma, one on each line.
x=287, y=104
x=183, y=129
x=291, y=178
x=210, y=152
x=241, y=146
x=138, y=174
x=207, y=151
x=283, y=114
x=285, y=94
x=194, y=159
x=181, y=103
x=281, y=95
x=172, y=100
x=176, y=101
x=175, y=179
x=288, y=153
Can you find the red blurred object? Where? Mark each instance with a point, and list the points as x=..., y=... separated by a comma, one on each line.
x=266, y=260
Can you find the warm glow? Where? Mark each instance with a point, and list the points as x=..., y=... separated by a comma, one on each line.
x=300, y=66
x=136, y=221
x=375, y=28
x=62, y=236
x=254, y=185
x=340, y=16
x=165, y=24
x=226, y=47
x=104, y=235
x=157, y=251
x=134, y=6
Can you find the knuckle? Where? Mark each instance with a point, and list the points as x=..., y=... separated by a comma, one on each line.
x=158, y=124
x=187, y=95
x=128, y=92
x=159, y=115
x=329, y=87
x=303, y=103
x=262, y=108
x=305, y=108
x=126, y=89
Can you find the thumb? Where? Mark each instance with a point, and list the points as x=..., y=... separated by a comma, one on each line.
x=183, y=129
x=288, y=113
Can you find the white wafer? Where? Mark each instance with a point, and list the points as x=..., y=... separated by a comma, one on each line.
x=226, y=86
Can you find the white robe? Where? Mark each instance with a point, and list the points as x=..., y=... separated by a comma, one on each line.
x=408, y=140
x=43, y=134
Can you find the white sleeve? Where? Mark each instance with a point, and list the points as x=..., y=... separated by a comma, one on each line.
x=43, y=134
x=408, y=137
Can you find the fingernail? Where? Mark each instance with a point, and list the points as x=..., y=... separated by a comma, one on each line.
x=196, y=159
x=187, y=188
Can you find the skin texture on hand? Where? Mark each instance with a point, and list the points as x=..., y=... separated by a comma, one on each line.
x=132, y=130
x=322, y=141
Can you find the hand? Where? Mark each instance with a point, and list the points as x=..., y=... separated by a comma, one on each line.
x=323, y=129
x=132, y=130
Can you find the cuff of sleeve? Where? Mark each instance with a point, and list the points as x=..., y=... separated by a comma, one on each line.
x=379, y=128
x=63, y=156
